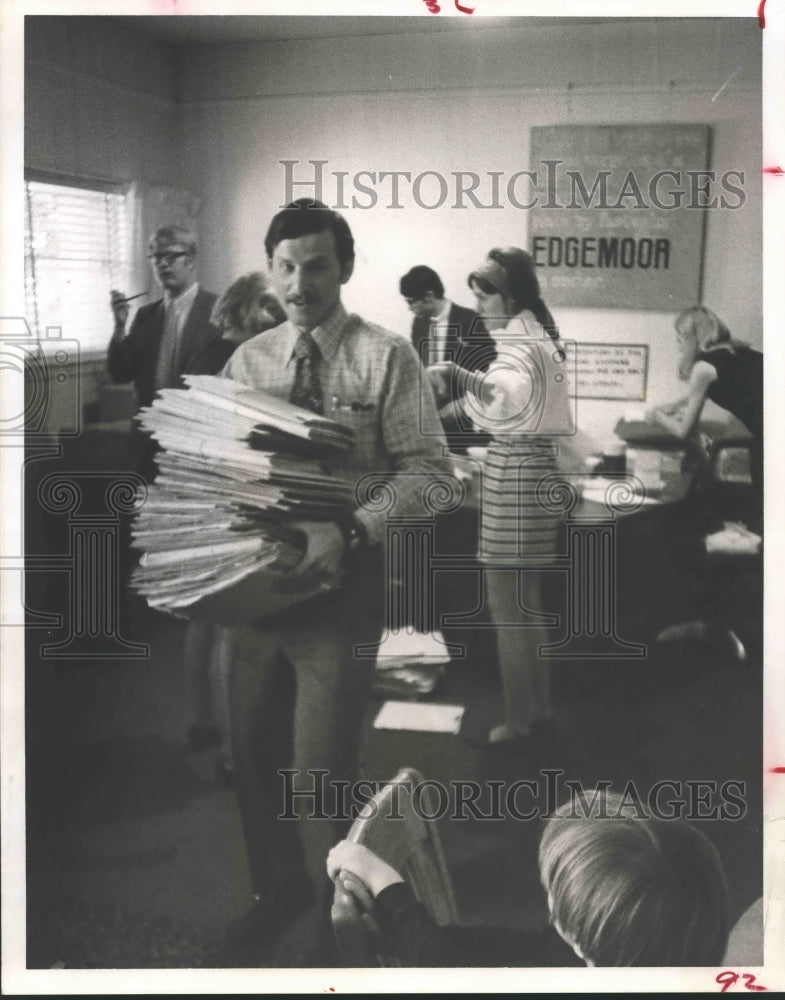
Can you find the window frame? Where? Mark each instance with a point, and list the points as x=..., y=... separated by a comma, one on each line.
x=37, y=324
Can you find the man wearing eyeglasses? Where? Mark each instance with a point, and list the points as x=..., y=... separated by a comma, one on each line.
x=167, y=337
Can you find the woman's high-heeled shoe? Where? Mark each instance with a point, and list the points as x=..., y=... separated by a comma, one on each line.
x=519, y=743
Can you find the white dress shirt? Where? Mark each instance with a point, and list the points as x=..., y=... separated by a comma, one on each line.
x=176, y=309
x=438, y=333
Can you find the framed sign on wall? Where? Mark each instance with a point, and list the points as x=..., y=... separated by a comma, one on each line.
x=618, y=213
x=611, y=371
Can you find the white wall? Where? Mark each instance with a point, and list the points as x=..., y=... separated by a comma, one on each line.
x=466, y=101
x=99, y=101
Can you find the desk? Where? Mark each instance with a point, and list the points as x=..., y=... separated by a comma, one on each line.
x=712, y=595
x=599, y=604
x=78, y=498
x=619, y=577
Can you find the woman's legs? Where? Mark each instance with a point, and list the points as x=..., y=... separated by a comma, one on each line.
x=525, y=676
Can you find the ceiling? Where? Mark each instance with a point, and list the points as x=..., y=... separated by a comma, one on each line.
x=207, y=29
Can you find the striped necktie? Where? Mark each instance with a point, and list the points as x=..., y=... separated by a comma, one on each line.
x=166, y=369
x=307, y=389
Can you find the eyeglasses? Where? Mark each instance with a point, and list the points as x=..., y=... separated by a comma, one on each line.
x=167, y=258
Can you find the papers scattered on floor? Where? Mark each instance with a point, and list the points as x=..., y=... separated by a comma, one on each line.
x=734, y=539
x=236, y=469
x=405, y=647
x=409, y=681
x=420, y=717
x=410, y=664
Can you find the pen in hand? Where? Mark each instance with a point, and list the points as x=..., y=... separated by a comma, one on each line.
x=132, y=297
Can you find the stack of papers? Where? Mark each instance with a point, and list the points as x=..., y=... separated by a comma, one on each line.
x=232, y=411
x=236, y=469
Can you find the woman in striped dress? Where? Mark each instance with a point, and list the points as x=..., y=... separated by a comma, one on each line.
x=522, y=401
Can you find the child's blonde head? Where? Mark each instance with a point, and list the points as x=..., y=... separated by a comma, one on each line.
x=626, y=890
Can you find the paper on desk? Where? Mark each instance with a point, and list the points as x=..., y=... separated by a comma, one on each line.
x=598, y=494
x=734, y=539
x=419, y=717
x=635, y=414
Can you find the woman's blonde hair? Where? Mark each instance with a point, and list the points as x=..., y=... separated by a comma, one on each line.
x=633, y=890
x=236, y=306
x=705, y=330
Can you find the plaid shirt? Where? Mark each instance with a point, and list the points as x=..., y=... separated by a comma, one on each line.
x=373, y=382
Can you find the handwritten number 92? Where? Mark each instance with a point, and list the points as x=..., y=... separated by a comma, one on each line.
x=728, y=978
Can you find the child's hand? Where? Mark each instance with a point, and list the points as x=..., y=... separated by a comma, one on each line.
x=350, y=885
x=364, y=864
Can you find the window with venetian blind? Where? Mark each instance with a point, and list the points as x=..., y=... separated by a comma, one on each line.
x=77, y=248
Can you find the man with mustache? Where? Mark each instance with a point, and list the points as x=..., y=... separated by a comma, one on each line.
x=299, y=680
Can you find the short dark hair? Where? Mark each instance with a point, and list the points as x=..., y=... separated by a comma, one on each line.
x=420, y=280
x=304, y=217
x=634, y=890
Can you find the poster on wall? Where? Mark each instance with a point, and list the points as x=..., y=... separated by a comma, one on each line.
x=618, y=213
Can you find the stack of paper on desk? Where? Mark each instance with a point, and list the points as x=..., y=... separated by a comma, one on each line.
x=597, y=491
x=734, y=539
x=236, y=469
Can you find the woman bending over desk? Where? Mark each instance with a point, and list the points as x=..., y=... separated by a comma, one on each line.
x=718, y=368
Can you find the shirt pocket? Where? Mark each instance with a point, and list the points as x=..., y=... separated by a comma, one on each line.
x=362, y=419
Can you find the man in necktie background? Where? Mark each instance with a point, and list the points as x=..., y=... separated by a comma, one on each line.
x=168, y=336
x=444, y=331
x=298, y=689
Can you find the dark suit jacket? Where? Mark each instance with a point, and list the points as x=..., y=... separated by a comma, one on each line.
x=472, y=348
x=135, y=358
x=466, y=335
